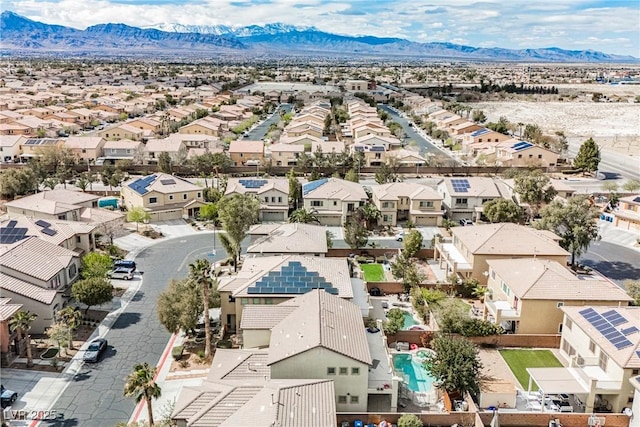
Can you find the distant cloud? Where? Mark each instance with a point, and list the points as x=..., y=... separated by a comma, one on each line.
x=606, y=25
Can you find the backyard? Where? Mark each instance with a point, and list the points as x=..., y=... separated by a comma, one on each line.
x=520, y=360
x=373, y=272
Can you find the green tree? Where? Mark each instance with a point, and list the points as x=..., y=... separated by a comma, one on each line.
x=96, y=264
x=237, y=214
x=631, y=186
x=409, y=420
x=534, y=188
x=405, y=268
x=385, y=174
x=17, y=182
x=412, y=243
x=502, y=210
x=295, y=189
x=370, y=214
x=21, y=324
x=111, y=176
x=478, y=116
x=612, y=188
x=179, y=306
x=208, y=212
x=140, y=385
x=60, y=333
x=92, y=291
x=355, y=234
x=576, y=222
x=352, y=175
x=164, y=162
x=633, y=289
x=588, y=156
x=70, y=317
x=455, y=365
x=200, y=275
x=304, y=216
x=138, y=215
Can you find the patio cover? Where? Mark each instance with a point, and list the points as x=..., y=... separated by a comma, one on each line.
x=557, y=381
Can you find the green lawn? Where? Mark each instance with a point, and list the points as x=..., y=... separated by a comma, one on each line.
x=373, y=272
x=520, y=360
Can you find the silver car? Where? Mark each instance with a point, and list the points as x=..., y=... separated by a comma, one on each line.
x=121, y=273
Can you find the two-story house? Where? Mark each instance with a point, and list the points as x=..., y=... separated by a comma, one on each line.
x=246, y=153
x=627, y=214
x=525, y=295
x=38, y=275
x=285, y=154
x=87, y=148
x=467, y=253
x=407, y=201
x=520, y=153
x=122, y=149
x=10, y=147
x=333, y=199
x=124, y=131
x=163, y=196
x=287, y=239
x=174, y=147
x=463, y=198
x=273, y=195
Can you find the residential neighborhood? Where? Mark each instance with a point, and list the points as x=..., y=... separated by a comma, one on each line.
x=306, y=253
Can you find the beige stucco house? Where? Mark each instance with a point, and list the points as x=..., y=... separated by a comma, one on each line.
x=407, y=201
x=525, y=295
x=273, y=195
x=627, y=214
x=163, y=196
x=87, y=148
x=333, y=199
x=463, y=198
x=470, y=248
x=246, y=153
x=287, y=239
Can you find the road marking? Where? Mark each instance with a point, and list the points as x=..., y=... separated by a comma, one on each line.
x=161, y=363
x=184, y=261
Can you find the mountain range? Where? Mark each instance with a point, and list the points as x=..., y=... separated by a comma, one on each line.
x=23, y=35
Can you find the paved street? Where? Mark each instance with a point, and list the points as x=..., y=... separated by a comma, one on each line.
x=260, y=131
x=617, y=262
x=94, y=396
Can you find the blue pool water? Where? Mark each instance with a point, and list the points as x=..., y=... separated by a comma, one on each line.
x=419, y=379
x=409, y=320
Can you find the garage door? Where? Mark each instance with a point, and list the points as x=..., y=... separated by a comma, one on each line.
x=273, y=216
x=330, y=220
x=426, y=220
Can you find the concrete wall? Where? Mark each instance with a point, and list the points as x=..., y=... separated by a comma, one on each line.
x=505, y=340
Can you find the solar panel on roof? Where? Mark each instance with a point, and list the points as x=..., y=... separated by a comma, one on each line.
x=313, y=185
x=12, y=223
x=49, y=231
x=167, y=181
x=606, y=328
x=629, y=331
x=614, y=317
x=42, y=223
x=12, y=235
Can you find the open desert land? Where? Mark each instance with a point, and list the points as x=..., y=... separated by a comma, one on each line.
x=614, y=126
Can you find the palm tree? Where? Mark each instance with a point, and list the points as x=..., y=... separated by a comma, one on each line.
x=21, y=323
x=141, y=385
x=370, y=213
x=304, y=216
x=200, y=274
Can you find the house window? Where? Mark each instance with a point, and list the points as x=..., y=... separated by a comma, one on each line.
x=635, y=372
x=335, y=203
x=592, y=347
x=486, y=200
x=273, y=199
x=355, y=371
x=355, y=399
x=461, y=201
x=78, y=239
x=244, y=301
x=331, y=371
x=268, y=301
x=170, y=196
x=493, y=274
x=266, y=200
x=560, y=304
x=316, y=203
x=539, y=156
x=256, y=301
x=566, y=347
x=199, y=194
x=519, y=156
x=344, y=371
x=426, y=204
x=603, y=360
x=505, y=289
x=279, y=199
x=559, y=328
x=153, y=200
x=342, y=399
x=568, y=323
x=386, y=218
x=73, y=270
x=184, y=196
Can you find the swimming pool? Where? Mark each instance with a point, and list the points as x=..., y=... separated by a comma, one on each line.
x=413, y=372
x=409, y=320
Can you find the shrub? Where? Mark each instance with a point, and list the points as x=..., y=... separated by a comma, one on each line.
x=223, y=344
x=200, y=354
x=177, y=352
x=395, y=321
x=381, y=259
x=184, y=364
x=409, y=420
x=479, y=328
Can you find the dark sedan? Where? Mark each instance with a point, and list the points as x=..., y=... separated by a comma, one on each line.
x=8, y=397
x=95, y=350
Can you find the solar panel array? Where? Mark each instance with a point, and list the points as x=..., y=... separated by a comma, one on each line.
x=521, y=145
x=460, y=185
x=630, y=330
x=310, y=186
x=606, y=328
x=614, y=317
x=480, y=132
x=12, y=223
x=293, y=278
x=42, y=223
x=10, y=235
x=252, y=183
x=167, y=181
x=140, y=185
x=49, y=231
x=377, y=148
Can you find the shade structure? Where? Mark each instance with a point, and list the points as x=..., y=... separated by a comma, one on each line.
x=557, y=380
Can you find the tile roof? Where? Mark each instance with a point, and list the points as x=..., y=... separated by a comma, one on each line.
x=246, y=146
x=264, y=316
x=627, y=357
x=334, y=188
x=7, y=310
x=26, y=289
x=256, y=186
x=64, y=230
x=285, y=403
x=36, y=258
x=478, y=187
x=414, y=191
x=239, y=365
x=162, y=183
x=507, y=239
x=53, y=201
x=321, y=320
x=291, y=238
x=543, y=279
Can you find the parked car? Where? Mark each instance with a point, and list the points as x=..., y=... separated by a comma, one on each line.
x=125, y=263
x=95, y=350
x=8, y=397
x=385, y=304
x=464, y=222
x=400, y=236
x=121, y=273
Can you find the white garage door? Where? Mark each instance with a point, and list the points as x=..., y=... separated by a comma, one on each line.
x=273, y=216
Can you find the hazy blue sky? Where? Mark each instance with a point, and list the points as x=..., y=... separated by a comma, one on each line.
x=611, y=26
